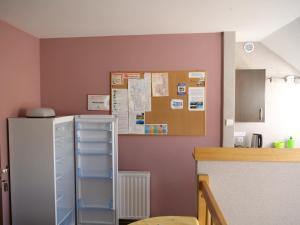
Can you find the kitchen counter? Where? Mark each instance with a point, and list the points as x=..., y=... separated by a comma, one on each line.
x=247, y=154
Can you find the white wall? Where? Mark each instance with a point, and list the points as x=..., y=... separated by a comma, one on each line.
x=290, y=36
x=282, y=112
x=255, y=193
x=228, y=87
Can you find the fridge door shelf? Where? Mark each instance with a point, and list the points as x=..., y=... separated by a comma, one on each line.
x=59, y=197
x=64, y=216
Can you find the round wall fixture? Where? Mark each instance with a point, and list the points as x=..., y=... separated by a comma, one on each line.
x=248, y=47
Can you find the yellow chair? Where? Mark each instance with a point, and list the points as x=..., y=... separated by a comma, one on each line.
x=168, y=220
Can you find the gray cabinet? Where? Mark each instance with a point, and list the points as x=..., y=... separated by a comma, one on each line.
x=250, y=95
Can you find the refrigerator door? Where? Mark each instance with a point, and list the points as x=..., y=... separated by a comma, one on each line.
x=96, y=169
x=64, y=173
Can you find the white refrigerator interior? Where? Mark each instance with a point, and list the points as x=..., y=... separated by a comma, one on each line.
x=42, y=171
x=96, y=170
x=50, y=158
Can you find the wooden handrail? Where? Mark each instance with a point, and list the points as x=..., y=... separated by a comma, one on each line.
x=208, y=210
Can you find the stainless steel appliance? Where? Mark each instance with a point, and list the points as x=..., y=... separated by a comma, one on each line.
x=257, y=141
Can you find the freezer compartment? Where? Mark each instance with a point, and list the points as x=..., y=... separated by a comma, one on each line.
x=94, y=148
x=96, y=193
x=93, y=125
x=96, y=216
x=93, y=136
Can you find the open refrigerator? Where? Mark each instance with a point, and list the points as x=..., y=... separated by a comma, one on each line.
x=63, y=171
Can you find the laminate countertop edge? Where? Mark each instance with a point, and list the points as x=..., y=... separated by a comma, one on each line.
x=246, y=154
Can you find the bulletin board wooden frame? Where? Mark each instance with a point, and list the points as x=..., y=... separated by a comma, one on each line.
x=181, y=122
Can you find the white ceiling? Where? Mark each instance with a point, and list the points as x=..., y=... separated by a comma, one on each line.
x=251, y=19
x=285, y=42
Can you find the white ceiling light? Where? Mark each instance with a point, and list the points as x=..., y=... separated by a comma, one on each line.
x=248, y=47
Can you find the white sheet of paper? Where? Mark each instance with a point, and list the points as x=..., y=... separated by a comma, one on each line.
x=160, y=84
x=198, y=74
x=120, y=109
x=98, y=102
x=137, y=122
x=147, y=79
x=196, y=99
x=119, y=100
x=122, y=122
x=136, y=95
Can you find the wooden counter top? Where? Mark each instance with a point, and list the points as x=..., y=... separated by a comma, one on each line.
x=246, y=154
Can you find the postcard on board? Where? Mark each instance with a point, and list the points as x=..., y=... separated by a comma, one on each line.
x=196, y=99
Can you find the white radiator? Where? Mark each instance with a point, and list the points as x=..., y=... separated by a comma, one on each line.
x=133, y=194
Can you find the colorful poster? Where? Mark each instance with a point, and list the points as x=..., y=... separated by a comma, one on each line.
x=176, y=103
x=156, y=129
x=160, y=84
x=196, y=99
x=137, y=122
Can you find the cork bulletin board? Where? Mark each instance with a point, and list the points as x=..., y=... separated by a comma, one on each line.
x=177, y=102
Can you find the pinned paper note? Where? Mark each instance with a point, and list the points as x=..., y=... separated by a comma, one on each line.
x=181, y=89
x=119, y=104
x=196, y=99
x=98, y=102
x=160, y=84
x=176, y=104
x=198, y=74
x=117, y=79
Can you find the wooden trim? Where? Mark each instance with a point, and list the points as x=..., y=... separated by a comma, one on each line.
x=247, y=154
x=215, y=215
x=202, y=209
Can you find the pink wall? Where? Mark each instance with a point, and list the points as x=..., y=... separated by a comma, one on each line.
x=71, y=68
x=19, y=83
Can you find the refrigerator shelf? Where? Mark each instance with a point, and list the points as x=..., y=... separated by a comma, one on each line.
x=92, y=140
x=93, y=153
x=93, y=125
x=95, y=206
x=95, y=223
x=93, y=129
x=94, y=174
